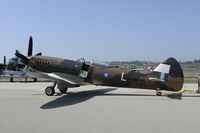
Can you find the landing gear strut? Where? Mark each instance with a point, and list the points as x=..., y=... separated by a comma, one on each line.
x=50, y=90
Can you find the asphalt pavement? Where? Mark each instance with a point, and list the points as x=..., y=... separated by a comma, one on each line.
x=24, y=108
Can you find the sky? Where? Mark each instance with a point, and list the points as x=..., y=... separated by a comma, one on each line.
x=106, y=30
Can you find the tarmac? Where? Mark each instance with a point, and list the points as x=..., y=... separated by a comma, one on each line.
x=24, y=108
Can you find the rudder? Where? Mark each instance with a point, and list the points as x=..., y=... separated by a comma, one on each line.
x=171, y=73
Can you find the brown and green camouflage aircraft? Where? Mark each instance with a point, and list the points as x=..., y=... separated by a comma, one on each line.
x=66, y=74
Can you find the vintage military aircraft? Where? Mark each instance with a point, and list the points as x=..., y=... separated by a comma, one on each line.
x=68, y=73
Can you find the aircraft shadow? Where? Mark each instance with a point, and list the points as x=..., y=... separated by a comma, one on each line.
x=72, y=98
x=176, y=96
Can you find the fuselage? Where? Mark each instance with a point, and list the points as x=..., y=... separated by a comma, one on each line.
x=51, y=64
x=110, y=76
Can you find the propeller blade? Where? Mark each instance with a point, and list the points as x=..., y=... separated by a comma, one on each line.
x=4, y=60
x=23, y=58
x=30, y=47
x=38, y=54
x=16, y=51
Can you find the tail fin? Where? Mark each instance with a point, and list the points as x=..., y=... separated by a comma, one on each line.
x=171, y=74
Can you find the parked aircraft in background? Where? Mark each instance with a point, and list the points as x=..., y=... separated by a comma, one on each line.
x=68, y=73
x=15, y=64
x=3, y=66
x=16, y=69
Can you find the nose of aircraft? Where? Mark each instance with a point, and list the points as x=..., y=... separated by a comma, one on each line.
x=26, y=59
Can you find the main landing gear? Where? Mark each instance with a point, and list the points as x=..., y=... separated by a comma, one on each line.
x=50, y=90
x=63, y=90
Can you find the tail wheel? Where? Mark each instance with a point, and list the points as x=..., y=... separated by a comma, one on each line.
x=159, y=93
x=49, y=91
x=63, y=90
x=198, y=91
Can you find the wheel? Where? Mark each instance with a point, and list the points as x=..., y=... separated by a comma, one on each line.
x=63, y=90
x=159, y=93
x=197, y=91
x=49, y=91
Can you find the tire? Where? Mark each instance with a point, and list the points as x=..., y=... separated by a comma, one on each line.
x=49, y=91
x=63, y=90
x=159, y=93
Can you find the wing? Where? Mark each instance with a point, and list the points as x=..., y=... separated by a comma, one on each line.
x=64, y=80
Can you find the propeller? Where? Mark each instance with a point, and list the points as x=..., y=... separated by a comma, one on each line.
x=38, y=54
x=25, y=59
x=21, y=56
x=30, y=47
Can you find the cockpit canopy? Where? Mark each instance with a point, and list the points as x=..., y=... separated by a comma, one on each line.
x=94, y=63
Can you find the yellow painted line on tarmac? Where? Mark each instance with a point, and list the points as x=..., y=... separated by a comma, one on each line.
x=177, y=93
